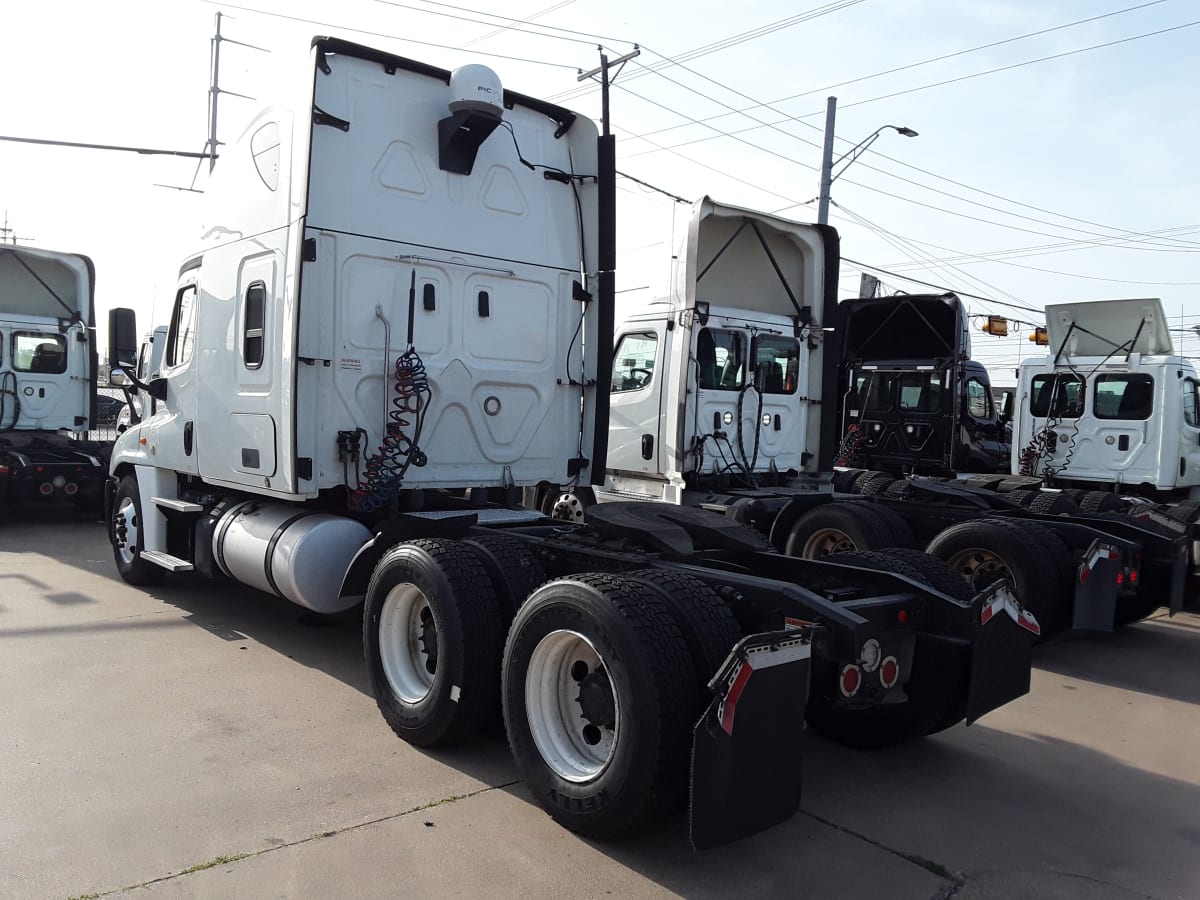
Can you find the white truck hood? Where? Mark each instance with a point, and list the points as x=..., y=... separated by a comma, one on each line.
x=1102, y=327
x=744, y=259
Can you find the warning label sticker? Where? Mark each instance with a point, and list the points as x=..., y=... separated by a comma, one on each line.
x=350, y=364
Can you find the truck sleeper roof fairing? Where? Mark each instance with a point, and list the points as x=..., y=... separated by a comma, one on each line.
x=905, y=327
x=1108, y=327
x=743, y=259
x=47, y=284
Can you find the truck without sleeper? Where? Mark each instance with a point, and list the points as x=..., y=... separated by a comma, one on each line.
x=725, y=397
x=48, y=378
x=398, y=318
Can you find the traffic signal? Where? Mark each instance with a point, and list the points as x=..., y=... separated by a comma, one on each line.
x=1040, y=337
x=996, y=325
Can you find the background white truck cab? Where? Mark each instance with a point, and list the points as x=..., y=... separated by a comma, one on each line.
x=721, y=377
x=1113, y=404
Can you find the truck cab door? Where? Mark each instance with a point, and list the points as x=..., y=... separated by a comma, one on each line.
x=1189, y=433
x=173, y=434
x=635, y=406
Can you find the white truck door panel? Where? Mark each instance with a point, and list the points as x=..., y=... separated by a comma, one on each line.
x=635, y=413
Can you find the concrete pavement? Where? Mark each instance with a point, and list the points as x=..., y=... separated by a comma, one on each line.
x=201, y=739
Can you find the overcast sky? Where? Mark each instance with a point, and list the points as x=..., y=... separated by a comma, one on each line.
x=1070, y=178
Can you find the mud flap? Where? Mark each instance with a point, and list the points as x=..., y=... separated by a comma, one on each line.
x=1179, y=573
x=747, y=747
x=1001, y=652
x=1096, y=588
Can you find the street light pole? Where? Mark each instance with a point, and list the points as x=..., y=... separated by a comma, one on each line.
x=828, y=177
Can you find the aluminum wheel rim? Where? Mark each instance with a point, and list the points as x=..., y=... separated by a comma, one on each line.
x=563, y=736
x=827, y=542
x=126, y=519
x=407, y=665
x=979, y=567
x=568, y=507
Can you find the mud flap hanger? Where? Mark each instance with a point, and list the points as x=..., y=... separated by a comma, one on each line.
x=746, y=748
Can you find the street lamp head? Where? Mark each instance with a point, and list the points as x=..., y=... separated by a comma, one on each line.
x=905, y=130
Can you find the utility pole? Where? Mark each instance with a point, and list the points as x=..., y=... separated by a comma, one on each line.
x=9, y=235
x=214, y=92
x=827, y=162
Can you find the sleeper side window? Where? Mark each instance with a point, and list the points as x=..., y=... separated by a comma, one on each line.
x=253, y=325
x=1191, y=403
x=633, y=362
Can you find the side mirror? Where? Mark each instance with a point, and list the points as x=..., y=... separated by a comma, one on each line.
x=118, y=378
x=122, y=338
x=157, y=388
x=1006, y=407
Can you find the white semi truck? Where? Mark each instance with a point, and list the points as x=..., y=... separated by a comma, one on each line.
x=725, y=396
x=400, y=316
x=48, y=378
x=1113, y=407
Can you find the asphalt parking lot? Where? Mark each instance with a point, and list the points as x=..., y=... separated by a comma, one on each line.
x=201, y=739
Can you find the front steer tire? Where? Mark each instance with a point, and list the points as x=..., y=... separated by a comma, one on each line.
x=452, y=698
x=639, y=657
x=125, y=530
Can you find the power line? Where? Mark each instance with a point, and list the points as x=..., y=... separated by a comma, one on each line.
x=774, y=125
x=512, y=27
x=733, y=40
x=923, y=62
x=391, y=37
x=525, y=21
x=939, y=287
x=143, y=150
x=645, y=184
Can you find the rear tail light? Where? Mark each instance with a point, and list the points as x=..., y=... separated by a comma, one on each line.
x=1120, y=578
x=46, y=488
x=889, y=672
x=850, y=680
x=1133, y=576
x=71, y=489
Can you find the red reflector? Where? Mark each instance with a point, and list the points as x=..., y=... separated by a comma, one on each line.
x=79, y=469
x=902, y=616
x=851, y=680
x=889, y=671
x=40, y=469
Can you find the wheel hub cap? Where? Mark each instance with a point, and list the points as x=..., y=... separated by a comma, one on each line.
x=573, y=711
x=408, y=643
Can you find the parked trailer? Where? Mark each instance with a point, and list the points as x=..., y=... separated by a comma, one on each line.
x=48, y=378
x=415, y=285
x=724, y=397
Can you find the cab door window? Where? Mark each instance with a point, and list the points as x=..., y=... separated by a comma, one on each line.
x=979, y=400
x=182, y=337
x=633, y=362
x=1191, y=403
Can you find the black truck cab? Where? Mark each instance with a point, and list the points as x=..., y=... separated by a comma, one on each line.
x=912, y=399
